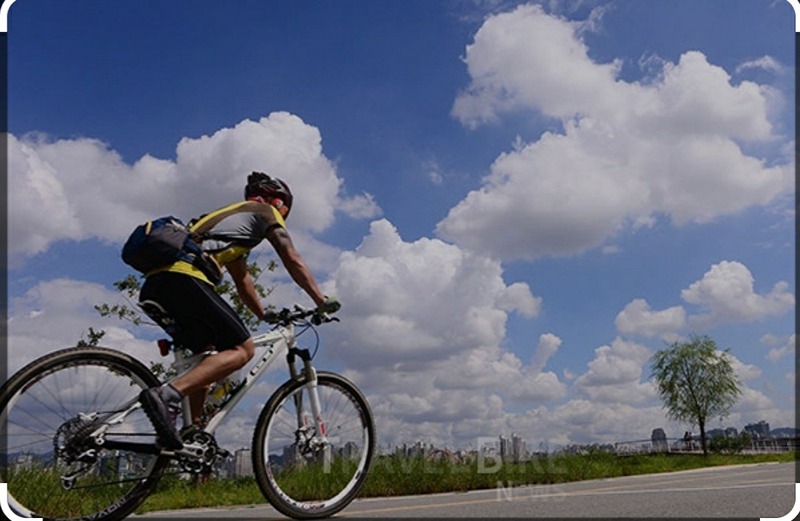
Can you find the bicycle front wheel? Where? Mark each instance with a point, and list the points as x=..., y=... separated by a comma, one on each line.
x=58, y=465
x=307, y=474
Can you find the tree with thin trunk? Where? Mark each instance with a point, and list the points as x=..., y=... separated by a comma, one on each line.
x=696, y=382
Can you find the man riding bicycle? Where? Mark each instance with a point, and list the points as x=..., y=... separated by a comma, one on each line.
x=204, y=320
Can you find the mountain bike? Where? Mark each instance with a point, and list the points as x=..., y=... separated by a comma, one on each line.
x=78, y=446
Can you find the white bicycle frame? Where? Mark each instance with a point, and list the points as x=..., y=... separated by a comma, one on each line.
x=277, y=343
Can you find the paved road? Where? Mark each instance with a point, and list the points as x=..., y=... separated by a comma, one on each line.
x=745, y=491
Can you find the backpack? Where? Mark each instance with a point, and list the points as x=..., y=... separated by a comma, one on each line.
x=163, y=241
x=160, y=242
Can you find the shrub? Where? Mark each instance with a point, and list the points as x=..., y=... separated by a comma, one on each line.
x=730, y=444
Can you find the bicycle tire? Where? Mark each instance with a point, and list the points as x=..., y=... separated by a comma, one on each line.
x=43, y=414
x=278, y=480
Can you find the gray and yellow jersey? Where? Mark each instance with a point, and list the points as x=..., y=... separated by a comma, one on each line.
x=234, y=230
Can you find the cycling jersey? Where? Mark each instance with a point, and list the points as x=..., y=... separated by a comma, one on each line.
x=233, y=236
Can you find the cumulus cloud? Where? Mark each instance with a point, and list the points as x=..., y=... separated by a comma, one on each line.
x=727, y=293
x=781, y=346
x=639, y=319
x=427, y=322
x=425, y=298
x=55, y=314
x=615, y=373
x=744, y=371
x=547, y=347
x=81, y=188
x=628, y=152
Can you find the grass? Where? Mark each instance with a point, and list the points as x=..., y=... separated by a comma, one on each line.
x=41, y=491
x=393, y=476
x=173, y=493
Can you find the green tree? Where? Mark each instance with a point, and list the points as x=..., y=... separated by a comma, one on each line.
x=696, y=382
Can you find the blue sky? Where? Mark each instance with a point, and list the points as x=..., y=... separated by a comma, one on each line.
x=517, y=202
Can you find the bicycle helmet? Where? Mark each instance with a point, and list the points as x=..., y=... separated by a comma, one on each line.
x=260, y=184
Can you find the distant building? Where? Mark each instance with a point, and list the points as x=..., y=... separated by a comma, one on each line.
x=349, y=451
x=419, y=449
x=242, y=463
x=728, y=432
x=513, y=450
x=24, y=461
x=519, y=449
x=505, y=449
x=758, y=430
x=659, y=440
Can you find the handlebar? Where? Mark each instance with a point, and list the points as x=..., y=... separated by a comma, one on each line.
x=288, y=316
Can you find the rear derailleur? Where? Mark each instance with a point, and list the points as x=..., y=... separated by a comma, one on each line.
x=75, y=449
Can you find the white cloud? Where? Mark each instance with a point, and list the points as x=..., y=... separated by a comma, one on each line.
x=639, y=319
x=547, y=347
x=361, y=207
x=423, y=324
x=767, y=63
x=527, y=59
x=628, y=153
x=785, y=347
x=727, y=292
x=80, y=188
x=590, y=421
x=55, y=314
x=425, y=298
x=614, y=376
x=744, y=372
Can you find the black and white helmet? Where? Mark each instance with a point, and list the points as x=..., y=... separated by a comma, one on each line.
x=260, y=184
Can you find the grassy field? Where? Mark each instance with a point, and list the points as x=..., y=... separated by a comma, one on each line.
x=392, y=476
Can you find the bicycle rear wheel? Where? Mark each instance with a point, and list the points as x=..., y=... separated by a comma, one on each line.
x=301, y=477
x=55, y=465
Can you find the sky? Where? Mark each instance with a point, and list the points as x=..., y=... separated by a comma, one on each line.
x=517, y=203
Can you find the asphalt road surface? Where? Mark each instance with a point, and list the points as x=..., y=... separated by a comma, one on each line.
x=743, y=491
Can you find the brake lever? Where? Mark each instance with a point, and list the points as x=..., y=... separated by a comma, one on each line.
x=322, y=318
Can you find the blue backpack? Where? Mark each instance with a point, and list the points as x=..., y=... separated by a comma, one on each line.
x=164, y=241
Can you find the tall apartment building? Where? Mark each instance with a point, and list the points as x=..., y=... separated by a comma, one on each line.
x=758, y=430
x=513, y=450
x=242, y=463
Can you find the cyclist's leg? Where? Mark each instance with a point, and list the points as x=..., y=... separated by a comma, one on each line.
x=197, y=400
x=215, y=367
x=204, y=320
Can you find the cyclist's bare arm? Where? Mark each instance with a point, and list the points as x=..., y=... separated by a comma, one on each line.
x=294, y=263
x=245, y=285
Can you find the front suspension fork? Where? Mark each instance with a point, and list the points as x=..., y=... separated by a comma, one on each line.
x=309, y=375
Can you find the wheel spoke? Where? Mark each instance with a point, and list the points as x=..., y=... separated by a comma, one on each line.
x=54, y=468
x=303, y=473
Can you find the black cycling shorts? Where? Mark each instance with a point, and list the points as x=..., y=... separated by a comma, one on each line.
x=204, y=319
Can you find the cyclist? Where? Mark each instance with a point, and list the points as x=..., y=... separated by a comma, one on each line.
x=204, y=320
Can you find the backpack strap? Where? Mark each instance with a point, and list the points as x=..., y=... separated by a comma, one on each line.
x=206, y=222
